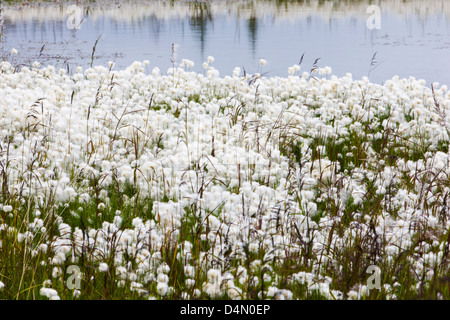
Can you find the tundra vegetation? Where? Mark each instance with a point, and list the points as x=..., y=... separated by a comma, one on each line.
x=142, y=184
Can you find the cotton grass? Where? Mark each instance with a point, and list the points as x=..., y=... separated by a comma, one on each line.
x=186, y=185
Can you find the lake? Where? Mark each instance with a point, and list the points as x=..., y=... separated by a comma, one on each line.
x=379, y=39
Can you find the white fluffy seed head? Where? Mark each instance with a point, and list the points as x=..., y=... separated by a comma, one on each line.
x=103, y=267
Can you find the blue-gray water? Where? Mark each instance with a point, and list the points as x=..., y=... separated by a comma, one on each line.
x=413, y=38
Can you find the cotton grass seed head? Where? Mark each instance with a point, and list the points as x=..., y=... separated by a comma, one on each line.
x=52, y=294
x=76, y=294
x=103, y=267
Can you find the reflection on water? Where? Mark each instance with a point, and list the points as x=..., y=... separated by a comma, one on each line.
x=413, y=39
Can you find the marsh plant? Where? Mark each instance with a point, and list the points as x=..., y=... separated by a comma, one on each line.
x=127, y=184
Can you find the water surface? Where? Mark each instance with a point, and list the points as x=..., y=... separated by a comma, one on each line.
x=413, y=38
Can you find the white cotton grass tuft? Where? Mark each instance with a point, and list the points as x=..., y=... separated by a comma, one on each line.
x=190, y=283
x=163, y=268
x=7, y=208
x=103, y=267
x=162, y=288
x=189, y=271
x=50, y=293
x=294, y=69
x=187, y=63
x=57, y=272
x=118, y=221
x=76, y=293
